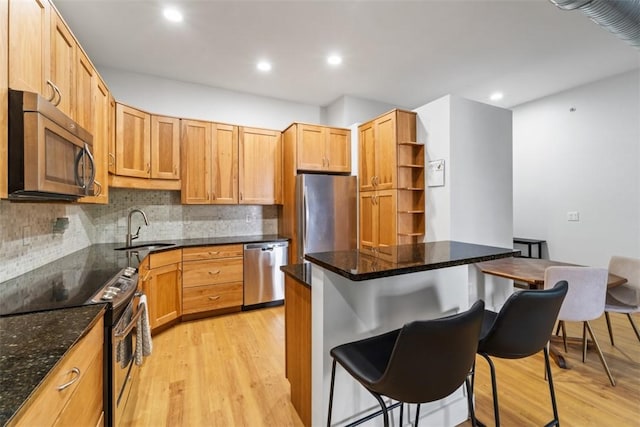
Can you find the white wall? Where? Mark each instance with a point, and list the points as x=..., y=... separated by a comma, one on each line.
x=588, y=161
x=189, y=100
x=474, y=139
x=347, y=110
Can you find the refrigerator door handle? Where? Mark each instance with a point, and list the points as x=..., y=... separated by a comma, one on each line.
x=305, y=219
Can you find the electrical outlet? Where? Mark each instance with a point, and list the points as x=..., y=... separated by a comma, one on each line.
x=26, y=235
x=573, y=216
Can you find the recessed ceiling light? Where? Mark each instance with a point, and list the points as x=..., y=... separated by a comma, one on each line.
x=334, y=60
x=264, y=66
x=496, y=96
x=172, y=14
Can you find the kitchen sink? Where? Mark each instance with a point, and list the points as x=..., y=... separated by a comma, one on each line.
x=145, y=246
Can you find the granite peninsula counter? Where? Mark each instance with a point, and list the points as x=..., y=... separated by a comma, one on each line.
x=344, y=296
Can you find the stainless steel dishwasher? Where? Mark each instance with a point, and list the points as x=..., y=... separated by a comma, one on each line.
x=263, y=280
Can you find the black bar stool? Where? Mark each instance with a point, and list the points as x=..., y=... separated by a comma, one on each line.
x=423, y=362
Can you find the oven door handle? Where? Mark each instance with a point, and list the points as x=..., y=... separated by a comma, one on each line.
x=131, y=324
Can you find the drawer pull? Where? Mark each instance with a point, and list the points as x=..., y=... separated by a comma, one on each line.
x=217, y=297
x=214, y=272
x=67, y=384
x=213, y=253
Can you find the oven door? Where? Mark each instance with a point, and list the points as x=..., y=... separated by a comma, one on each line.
x=56, y=161
x=125, y=370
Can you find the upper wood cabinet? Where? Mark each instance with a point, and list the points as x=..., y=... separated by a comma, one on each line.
x=210, y=163
x=165, y=147
x=63, y=64
x=29, y=35
x=321, y=148
x=260, y=174
x=146, y=146
x=86, y=77
x=133, y=142
x=102, y=136
x=392, y=181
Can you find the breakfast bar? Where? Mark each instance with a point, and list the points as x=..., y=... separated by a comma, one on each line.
x=349, y=295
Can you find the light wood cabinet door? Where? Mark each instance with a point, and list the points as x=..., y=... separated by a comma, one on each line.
x=133, y=142
x=338, y=150
x=163, y=288
x=63, y=64
x=4, y=97
x=368, y=219
x=29, y=23
x=385, y=152
x=367, y=157
x=112, y=134
x=165, y=147
x=385, y=202
x=85, y=97
x=224, y=164
x=311, y=147
x=378, y=219
x=260, y=180
x=101, y=135
x=196, y=162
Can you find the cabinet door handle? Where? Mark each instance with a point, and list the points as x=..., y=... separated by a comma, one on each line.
x=217, y=297
x=75, y=371
x=213, y=273
x=111, y=156
x=213, y=253
x=97, y=183
x=175, y=170
x=146, y=276
x=148, y=167
x=240, y=195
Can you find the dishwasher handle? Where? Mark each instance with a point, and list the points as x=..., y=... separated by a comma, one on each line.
x=266, y=246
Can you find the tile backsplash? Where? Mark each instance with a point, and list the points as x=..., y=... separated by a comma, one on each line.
x=27, y=238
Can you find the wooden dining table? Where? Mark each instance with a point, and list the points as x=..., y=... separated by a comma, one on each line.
x=531, y=272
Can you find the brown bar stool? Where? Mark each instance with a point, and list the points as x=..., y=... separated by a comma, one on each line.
x=423, y=362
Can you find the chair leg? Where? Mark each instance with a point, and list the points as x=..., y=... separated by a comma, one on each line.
x=417, y=416
x=333, y=378
x=604, y=362
x=472, y=413
x=494, y=389
x=556, y=419
x=606, y=316
x=401, y=413
x=633, y=325
x=385, y=411
x=564, y=335
x=584, y=341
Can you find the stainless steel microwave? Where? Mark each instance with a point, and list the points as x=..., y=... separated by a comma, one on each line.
x=49, y=154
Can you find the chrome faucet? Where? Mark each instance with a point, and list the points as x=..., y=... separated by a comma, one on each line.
x=130, y=237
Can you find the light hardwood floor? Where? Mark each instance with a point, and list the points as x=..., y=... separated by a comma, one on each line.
x=229, y=371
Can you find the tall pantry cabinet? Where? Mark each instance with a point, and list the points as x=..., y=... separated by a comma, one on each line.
x=392, y=181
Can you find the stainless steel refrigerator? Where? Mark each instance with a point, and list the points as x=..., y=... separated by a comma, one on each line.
x=326, y=209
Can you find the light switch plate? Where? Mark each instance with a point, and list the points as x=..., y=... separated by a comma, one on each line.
x=573, y=216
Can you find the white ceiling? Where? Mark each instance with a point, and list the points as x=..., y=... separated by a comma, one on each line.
x=405, y=53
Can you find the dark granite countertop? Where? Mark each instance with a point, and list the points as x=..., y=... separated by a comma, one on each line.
x=31, y=345
x=72, y=280
x=359, y=264
x=300, y=272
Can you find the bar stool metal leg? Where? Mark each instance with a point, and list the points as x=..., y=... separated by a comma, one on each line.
x=333, y=379
x=556, y=419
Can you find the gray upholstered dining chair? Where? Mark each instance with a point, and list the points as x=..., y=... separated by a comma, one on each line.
x=624, y=298
x=584, y=301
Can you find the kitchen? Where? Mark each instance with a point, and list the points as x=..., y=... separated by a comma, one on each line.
x=28, y=239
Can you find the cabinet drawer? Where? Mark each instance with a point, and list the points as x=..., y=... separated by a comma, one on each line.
x=211, y=252
x=85, y=408
x=165, y=258
x=211, y=297
x=198, y=273
x=48, y=402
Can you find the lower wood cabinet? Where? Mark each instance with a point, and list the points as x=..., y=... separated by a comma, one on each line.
x=162, y=284
x=71, y=395
x=213, y=278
